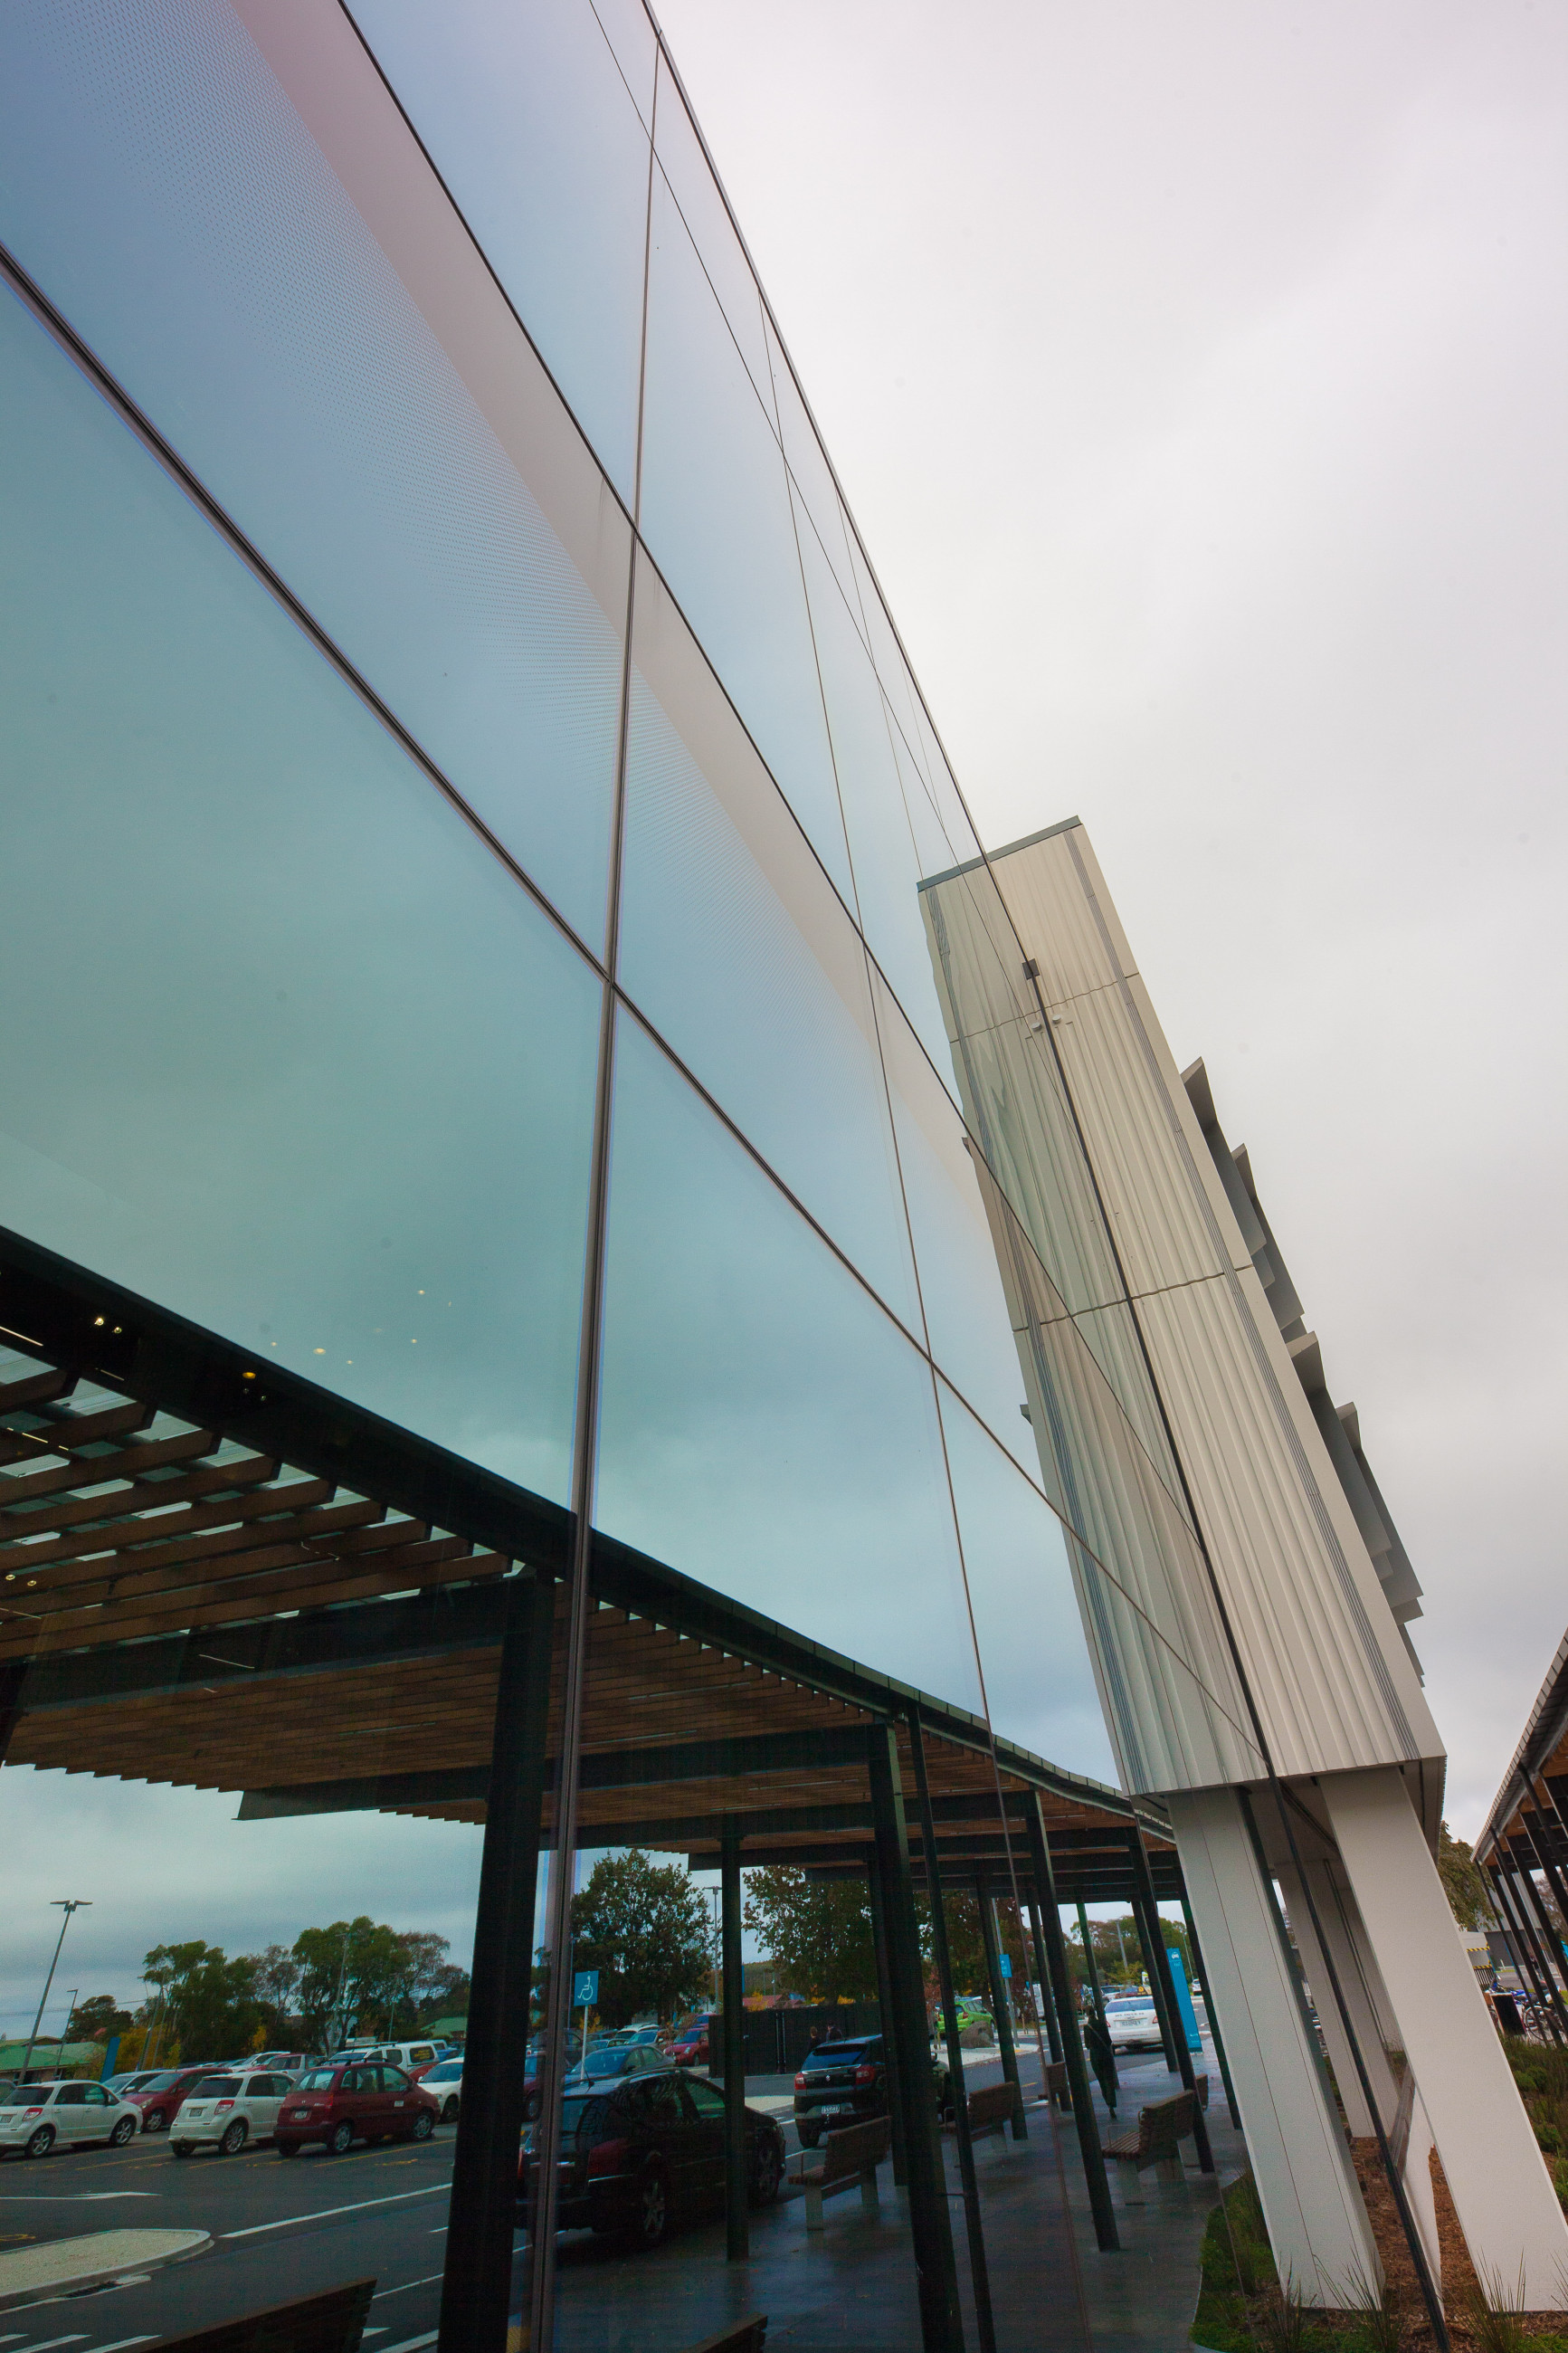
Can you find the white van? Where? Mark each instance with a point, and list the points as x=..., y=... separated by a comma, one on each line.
x=407, y=2056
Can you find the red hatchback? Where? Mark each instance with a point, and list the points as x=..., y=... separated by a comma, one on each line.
x=160, y=2096
x=351, y=2100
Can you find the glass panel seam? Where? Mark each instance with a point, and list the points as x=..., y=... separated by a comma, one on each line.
x=615, y=60
x=589, y=1357
x=108, y=388
x=490, y=266
x=770, y=422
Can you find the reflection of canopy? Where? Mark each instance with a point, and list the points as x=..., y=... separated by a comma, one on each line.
x=218, y=1576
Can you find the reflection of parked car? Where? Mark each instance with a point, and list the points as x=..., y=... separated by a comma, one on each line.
x=643, y=2152
x=444, y=2081
x=339, y=2105
x=602, y=2066
x=407, y=2056
x=160, y=2096
x=698, y=2041
x=1133, y=2023
x=226, y=2111
x=38, y=2117
x=842, y=2083
x=132, y=2082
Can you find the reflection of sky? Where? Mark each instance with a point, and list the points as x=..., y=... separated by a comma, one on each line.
x=162, y=191
x=1040, y=1682
x=291, y=1053
x=527, y=118
x=764, y=1425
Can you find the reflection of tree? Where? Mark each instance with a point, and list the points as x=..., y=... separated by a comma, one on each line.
x=212, y=2010
x=1462, y=1881
x=363, y=1973
x=644, y=1927
x=817, y=1931
x=1119, y=1956
x=96, y=2019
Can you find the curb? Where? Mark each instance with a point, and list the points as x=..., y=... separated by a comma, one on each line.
x=32, y=2276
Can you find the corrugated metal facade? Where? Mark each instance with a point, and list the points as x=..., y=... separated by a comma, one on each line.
x=1123, y=1256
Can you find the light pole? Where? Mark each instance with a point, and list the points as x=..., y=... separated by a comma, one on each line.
x=68, y=1904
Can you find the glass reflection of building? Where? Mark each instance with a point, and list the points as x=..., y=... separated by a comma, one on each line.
x=494, y=955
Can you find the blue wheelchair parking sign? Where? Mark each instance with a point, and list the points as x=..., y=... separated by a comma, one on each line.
x=584, y=1988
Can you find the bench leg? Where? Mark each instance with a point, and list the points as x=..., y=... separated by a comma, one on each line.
x=813, y=2208
x=868, y=2196
x=1127, y=2174
x=1169, y=2169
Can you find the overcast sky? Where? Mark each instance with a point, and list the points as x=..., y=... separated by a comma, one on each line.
x=1197, y=378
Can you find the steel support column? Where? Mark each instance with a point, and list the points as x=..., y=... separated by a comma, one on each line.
x=1554, y=1879
x=477, y=2277
x=1523, y=1937
x=979, y=2273
x=1084, y=2117
x=1091, y=1966
x=1547, y=1944
x=734, y=2043
x=941, y=2326
x=1146, y=1918
x=1043, y=1971
x=885, y=2012
x=999, y=2009
x=1212, y=2006
x=1161, y=1977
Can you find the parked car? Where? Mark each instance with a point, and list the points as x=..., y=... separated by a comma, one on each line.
x=1133, y=2023
x=840, y=2084
x=366, y=2100
x=226, y=2111
x=407, y=2056
x=132, y=2082
x=697, y=2040
x=444, y=2081
x=38, y=2117
x=602, y=2066
x=158, y=2097
x=645, y=2151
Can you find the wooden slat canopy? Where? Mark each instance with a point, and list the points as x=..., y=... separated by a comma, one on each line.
x=287, y=1599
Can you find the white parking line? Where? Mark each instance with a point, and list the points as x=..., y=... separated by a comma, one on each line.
x=398, y=2197
x=408, y=2283
x=121, y=2342
x=79, y=2338
x=68, y=2197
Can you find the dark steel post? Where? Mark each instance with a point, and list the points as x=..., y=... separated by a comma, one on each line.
x=999, y=2009
x=1551, y=1954
x=1213, y=2009
x=1161, y=1973
x=1146, y=1918
x=1523, y=1939
x=477, y=2277
x=1091, y=1966
x=1541, y=1840
x=1072, y=2042
x=941, y=2326
x=885, y=2010
x=979, y=2272
x=1042, y=1968
x=1533, y=1912
x=733, y=2030
x=12, y=1672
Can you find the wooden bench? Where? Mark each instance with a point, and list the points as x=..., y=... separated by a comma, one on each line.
x=748, y=2336
x=849, y=2155
x=991, y=2108
x=1163, y=2127
x=1058, y=2091
x=332, y=2322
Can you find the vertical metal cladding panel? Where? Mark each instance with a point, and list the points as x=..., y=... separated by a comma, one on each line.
x=1319, y=1648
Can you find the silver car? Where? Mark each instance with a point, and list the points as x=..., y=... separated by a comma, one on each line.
x=38, y=2117
x=226, y=2110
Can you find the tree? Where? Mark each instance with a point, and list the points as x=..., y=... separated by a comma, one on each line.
x=275, y=1978
x=95, y=2019
x=644, y=1927
x=817, y=1931
x=352, y=1972
x=212, y=2006
x=1462, y=1882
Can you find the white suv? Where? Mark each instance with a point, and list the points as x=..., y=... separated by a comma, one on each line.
x=407, y=2056
x=224, y=2111
x=38, y=2117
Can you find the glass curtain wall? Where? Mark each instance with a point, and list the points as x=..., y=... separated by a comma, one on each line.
x=464, y=930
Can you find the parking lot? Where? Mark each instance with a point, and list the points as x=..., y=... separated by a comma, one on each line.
x=278, y=2231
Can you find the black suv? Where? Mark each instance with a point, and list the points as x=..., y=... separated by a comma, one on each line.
x=843, y=2083
x=638, y=2153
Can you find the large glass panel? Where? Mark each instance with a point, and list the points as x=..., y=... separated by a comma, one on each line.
x=813, y=476
x=530, y=122
x=764, y=1427
x=966, y=1317
x=716, y=516
x=737, y=947
x=285, y=1045
x=1040, y=1682
x=712, y=233
x=255, y=245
